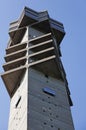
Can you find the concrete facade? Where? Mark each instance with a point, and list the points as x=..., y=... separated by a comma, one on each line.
x=47, y=112
x=18, y=108
x=34, y=75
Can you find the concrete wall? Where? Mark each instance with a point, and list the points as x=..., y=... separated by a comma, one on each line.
x=18, y=111
x=34, y=33
x=43, y=110
x=31, y=33
x=25, y=38
x=47, y=112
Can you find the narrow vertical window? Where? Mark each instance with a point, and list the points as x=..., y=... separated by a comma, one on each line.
x=18, y=101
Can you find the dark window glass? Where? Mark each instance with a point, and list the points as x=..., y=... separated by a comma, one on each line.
x=49, y=91
x=18, y=101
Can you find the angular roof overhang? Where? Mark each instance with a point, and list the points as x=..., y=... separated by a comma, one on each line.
x=30, y=17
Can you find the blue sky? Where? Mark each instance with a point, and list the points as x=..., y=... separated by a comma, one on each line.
x=73, y=15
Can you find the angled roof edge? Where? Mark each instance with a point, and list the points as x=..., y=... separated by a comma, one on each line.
x=37, y=16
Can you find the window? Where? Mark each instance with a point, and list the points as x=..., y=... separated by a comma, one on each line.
x=18, y=101
x=49, y=91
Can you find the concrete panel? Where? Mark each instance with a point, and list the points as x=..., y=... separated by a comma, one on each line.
x=49, y=110
x=38, y=82
x=45, y=108
x=53, y=82
x=33, y=33
x=38, y=121
x=25, y=37
x=18, y=115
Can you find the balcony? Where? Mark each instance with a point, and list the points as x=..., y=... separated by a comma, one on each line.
x=15, y=48
x=41, y=46
x=11, y=79
x=15, y=64
x=15, y=55
x=13, y=26
x=42, y=54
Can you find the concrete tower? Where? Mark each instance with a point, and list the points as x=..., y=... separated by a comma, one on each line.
x=34, y=75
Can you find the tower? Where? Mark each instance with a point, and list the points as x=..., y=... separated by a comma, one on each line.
x=34, y=75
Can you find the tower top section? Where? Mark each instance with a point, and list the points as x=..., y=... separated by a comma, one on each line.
x=39, y=20
x=34, y=43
